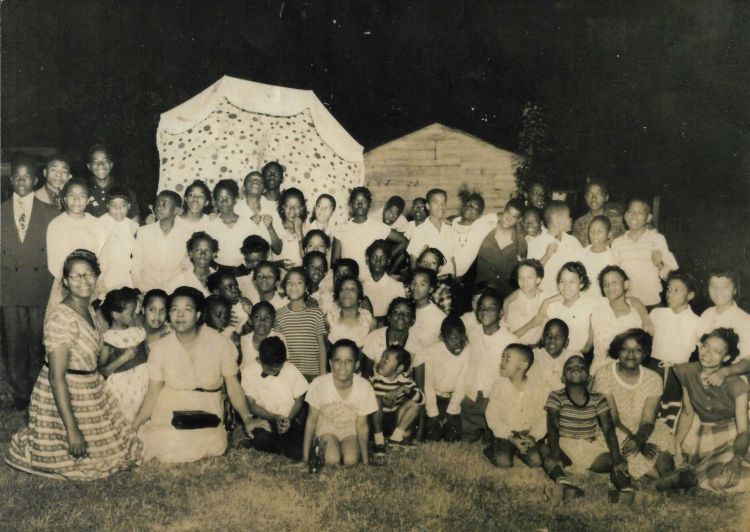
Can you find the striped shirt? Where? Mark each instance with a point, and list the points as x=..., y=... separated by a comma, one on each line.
x=577, y=422
x=301, y=329
x=383, y=386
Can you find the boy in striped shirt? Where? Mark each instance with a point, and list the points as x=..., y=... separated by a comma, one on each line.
x=399, y=398
x=573, y=414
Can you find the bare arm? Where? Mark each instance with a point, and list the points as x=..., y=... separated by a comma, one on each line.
x=400, y=242
x=298, y=402
x=610, y=436
x=310, y=424
x=553, y=435
x=109, y=368
x=363, y=435
x=149, y=402
x=322, y=354
x=684, y=422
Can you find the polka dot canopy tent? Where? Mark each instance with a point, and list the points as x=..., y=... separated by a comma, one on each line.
x=236, y=126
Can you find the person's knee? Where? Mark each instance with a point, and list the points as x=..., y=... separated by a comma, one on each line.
x=332, y=453
x=351, y=459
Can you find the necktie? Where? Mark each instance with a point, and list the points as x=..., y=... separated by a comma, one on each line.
x=21, y=221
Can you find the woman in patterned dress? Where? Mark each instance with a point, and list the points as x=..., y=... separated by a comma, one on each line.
x=76, y=430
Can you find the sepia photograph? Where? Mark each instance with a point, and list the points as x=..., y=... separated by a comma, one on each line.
x=340, y=265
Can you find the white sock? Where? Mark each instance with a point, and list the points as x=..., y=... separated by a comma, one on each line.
x=379, y=438
x=398, y=435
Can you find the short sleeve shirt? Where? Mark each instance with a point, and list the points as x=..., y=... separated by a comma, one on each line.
x=711, y=403
x=276, y=394
x=339, y=414
x=577, y=422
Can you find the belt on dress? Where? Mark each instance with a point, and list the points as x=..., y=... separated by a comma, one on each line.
x=76, y=371
x=207, y=391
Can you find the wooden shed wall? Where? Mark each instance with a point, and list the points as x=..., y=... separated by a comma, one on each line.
x=440, y=157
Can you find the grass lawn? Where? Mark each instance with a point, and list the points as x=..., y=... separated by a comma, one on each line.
x=433, y=487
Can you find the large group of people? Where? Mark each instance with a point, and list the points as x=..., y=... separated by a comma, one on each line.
x=247, y=310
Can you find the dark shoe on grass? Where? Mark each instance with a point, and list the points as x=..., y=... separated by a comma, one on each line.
x=401, y=444
x=489, y=452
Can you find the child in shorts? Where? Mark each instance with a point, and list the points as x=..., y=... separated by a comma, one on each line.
x=339, y=403
x=573, y=415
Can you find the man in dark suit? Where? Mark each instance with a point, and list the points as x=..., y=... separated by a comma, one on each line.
x=25, y=284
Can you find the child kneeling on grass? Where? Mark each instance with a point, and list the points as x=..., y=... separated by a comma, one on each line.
x=572, y=417
x=515, y=412
x=339, y=403
x=444, y=366
x=398, y=398
x=275, y=391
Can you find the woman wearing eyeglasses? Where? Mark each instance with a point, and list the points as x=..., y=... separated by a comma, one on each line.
x=76, y=430
x=71, y=230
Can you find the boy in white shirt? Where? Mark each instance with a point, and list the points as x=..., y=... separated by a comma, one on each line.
x=435, y=233
x=487, y=344
x=515, y=412
x=643, y=254
x=564, y=247
x=380, y=288
x=675, y=338
x=275, y=391
x=444, y=365
x=159, y=252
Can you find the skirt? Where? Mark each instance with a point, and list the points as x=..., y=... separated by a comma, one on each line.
x=713, y=450
x=168, y=444
x=129, y=388
x=42, y=447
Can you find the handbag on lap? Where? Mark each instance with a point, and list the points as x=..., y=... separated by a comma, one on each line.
x=194, y=419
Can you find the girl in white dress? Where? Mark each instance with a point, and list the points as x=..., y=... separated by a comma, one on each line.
x=122, y=360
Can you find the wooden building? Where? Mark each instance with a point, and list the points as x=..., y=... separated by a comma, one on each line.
x=440, y=157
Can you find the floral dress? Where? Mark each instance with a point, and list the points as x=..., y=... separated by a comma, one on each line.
x=629, y=400
x=129, y=387
x=42, y=447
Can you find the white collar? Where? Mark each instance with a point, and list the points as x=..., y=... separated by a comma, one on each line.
x=27, y=201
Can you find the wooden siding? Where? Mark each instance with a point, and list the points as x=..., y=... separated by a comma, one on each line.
x=440, y=157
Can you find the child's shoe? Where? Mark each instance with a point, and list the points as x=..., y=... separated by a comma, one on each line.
x=378, y=454
x=402, y=444
x=489, y=452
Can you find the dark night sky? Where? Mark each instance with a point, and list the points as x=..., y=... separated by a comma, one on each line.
x=650, y=96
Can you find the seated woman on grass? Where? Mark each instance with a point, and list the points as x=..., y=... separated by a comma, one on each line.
x=720, y=461
x=187, y=369
x=340, y=402
x=634, y=395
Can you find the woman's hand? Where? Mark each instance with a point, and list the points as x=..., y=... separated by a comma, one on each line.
x=256, y=423
x=630, y=446
x=283, y=424
x=267, y=221
x=717, y=377
x=76, y=443
x=732, y=471
x=297, y=226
